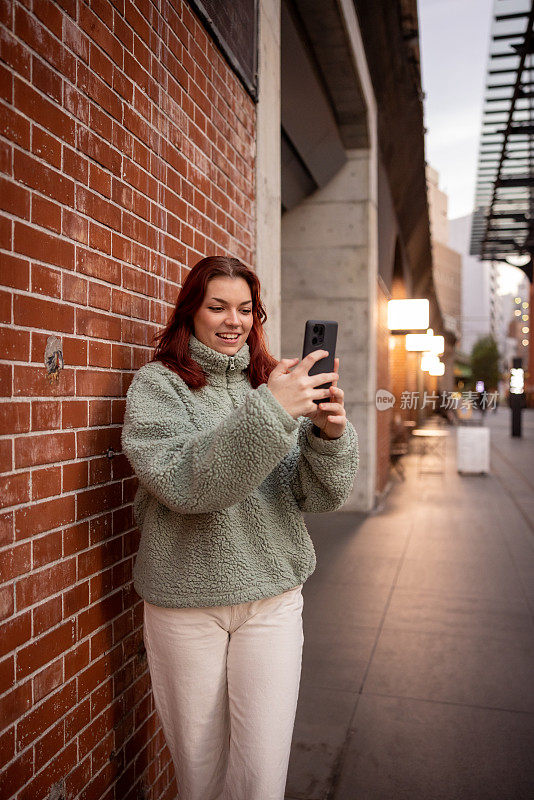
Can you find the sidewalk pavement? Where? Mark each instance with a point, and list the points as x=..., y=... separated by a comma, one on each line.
x=418, y=665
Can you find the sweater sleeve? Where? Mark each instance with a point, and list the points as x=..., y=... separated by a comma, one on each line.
x=192, y=471
x=323, y=470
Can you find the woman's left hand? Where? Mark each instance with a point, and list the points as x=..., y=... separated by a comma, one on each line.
x=330, y=416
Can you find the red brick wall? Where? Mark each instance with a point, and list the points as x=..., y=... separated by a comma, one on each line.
x=126, y=150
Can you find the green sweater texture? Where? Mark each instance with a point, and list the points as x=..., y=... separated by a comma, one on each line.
x=224, y=474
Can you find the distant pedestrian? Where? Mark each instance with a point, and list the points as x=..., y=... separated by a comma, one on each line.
x=229, y=450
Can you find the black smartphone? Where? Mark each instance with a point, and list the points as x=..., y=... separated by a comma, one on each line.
x=321, y=334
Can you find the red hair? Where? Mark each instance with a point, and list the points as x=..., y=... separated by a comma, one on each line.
x=173, y=341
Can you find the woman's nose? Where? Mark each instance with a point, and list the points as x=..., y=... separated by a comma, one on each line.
x=232, y=318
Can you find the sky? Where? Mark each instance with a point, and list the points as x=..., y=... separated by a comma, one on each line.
x=454, y=38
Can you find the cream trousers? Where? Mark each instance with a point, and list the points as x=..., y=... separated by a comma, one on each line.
x=225, y=681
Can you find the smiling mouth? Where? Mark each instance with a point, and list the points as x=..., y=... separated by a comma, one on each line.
x=233, y=337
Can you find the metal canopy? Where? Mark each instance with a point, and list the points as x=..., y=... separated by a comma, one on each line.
x=503, y=221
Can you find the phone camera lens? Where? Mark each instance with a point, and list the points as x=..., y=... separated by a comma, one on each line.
x=316, y=328
x=314, y=340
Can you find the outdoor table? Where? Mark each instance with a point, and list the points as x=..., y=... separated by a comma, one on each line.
x=433, y=446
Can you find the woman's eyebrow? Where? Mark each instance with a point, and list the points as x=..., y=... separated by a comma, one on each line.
x=219, y=300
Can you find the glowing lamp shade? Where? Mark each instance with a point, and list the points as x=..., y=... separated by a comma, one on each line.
x=437, y=345
x=425, y=341
x=411, y=314
x=437, y=369
x=428, y=361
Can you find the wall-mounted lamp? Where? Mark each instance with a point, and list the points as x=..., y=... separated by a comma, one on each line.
x=429, y=361
x=425, y=342
x=410, y=314
x=438, y=369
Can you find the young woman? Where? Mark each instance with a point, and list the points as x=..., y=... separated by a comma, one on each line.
x=229, y=448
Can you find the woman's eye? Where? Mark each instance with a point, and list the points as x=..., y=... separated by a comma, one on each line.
x=218, y=308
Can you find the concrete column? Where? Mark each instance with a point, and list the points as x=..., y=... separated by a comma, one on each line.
x=268, y=168
x=329, y=269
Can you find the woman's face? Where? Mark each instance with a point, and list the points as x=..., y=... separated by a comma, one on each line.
x=226, y=308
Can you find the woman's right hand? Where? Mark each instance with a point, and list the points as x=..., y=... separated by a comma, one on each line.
x=295, y=390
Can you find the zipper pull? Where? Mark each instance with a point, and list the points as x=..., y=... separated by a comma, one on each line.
x=232, y=362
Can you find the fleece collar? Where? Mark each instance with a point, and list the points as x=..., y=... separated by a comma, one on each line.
x=217, y=366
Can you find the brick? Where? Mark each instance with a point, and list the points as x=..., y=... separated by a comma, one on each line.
x=46, y=147
x=7, y=602
x=77, y=104
x=100, y=297
x=14, y=199
x=46, y=214
x=47, y=80
x=100, y=181
x=49, y=745
x=75, y=351
x=7, y=528
x=13, y=705
x=43, y=247
x=50, y=15
x=14, y=489
x=17, y=774
x=103, y=498
x=122, y=195
x=57, y=704
x=44, y=448
x=121, y=247
x=99, y=326
x=15, y=561
x=98, y=208
x=45, y=280
x=39, y=39
x=14, y=633
x=29, y=311
x=74, y=290
x=97, y=266
x=44, y=516
x=7, y=747
x=7, y=673
x=47, y=548
x=6, y=13
x=99, y=151
x=100, y=64
x=100, y=238
x=97, y=90
x=6, y=462
x=34, y=381
x=74, y=413
x=15, y=344
x=30, y=171
x=47, y=615
x=75, y=476
x=14, y=417
x=74, y=226
x=75, y=39
x=37, y=587
x=122, y=86
x=6, y=84
x=99, y=33
x=5, y=316
x=6, y=158
x=46, y=681
x=46, y=483
x=15, y=53
x=75, y=165
x=43, y=111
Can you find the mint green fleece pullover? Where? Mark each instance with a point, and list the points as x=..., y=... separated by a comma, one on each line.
x=224, y=473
